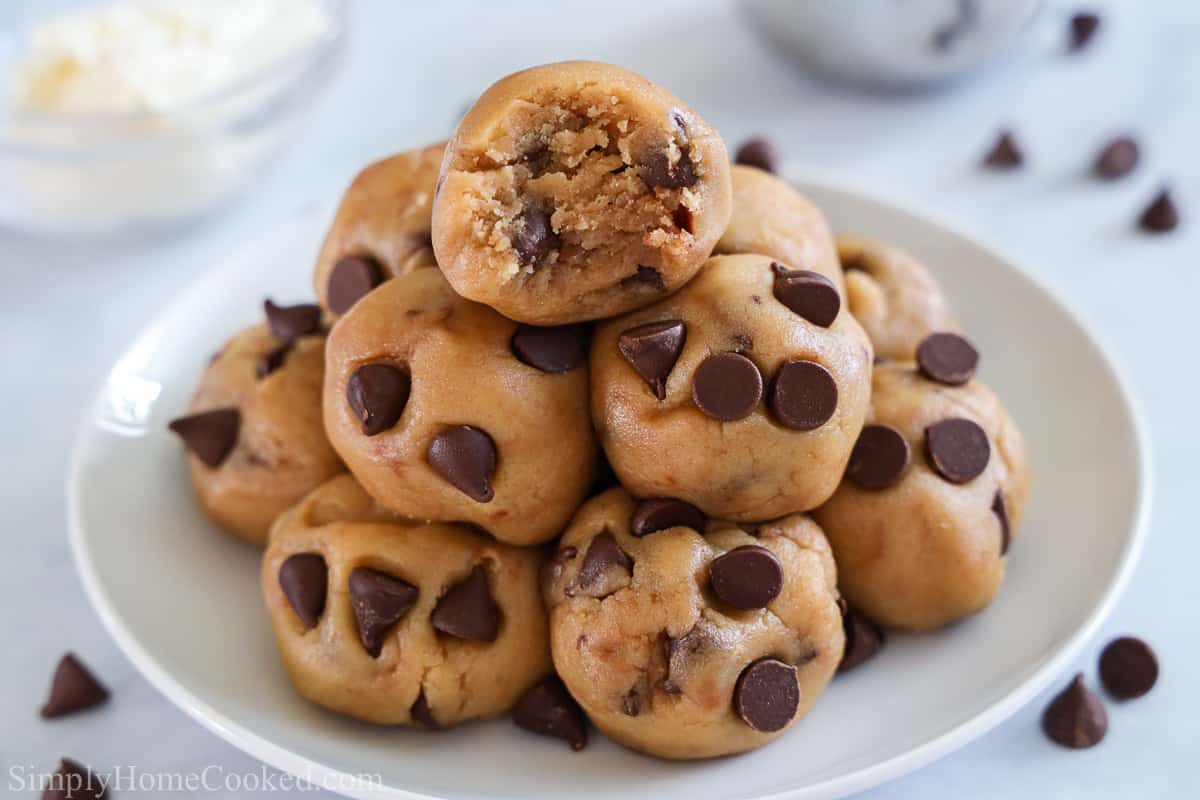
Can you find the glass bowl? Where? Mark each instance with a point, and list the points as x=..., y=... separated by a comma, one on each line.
x=85, y=175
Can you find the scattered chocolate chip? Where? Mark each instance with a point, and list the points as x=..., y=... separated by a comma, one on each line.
x=804, y=395
x=292, y=322
x=645, y=276
x=1083, y=27
x=73, y=781
x=605, y=568
x=533, y=237
x=659, y=513
x=377, y=394
x=808, y=294
x=303, y=578
x=682, y=217
x=727, y=386
x=379, y=601
x=466, y=458
x=659, y=172
x=557, y=349
x=879, y=458
x=1128, y=668
x=682, y=652
x=652, y=350
x=1005, y=154
x=947, y=358
x=210, y=435
x=422, y=713
x=1161, y=215
x=1117, y=159
x=1001, y=513
x=958, y=449
x=767, y=695
x=1076, y=717
x=864, y=639
x=746, y=577
x=351, y=278
x=74, y=688
x=272, y=360
x=631, y=703
x=549, y=710
x=757, y=152
x=467, y=610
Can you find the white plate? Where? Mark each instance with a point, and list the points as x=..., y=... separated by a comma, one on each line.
x=183, y=601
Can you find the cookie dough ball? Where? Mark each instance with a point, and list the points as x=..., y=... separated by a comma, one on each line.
x=444, y=410
x=933, y=495
x=894, y=297
x=382, y=228
x=577, y=191
x=742, y=394
x=690, y=644
x=254, y=438
x=772, y=218
x=401, y=623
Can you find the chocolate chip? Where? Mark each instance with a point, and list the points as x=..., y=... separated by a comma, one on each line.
x=631, y=703
x=947, y=358
x=659, y=172
x=1083, y=27
x=549, y=710
x=809, y=294
x=210, y=435
x=659, y=513
x=292, y=322
x=351, y=278
x=467, y=610
x=74, y=688
x=1001, y=513
x=804, y=395
x=767, y=695
x=879, y=458
x=552, y=570
x=958, y=449
x=554, y=350
x=379, y=601
x=1161, y=215
x=73, y=781
x=1128, y=668
x=1076, y=717
x=727, y=387
x=746, y=577
x=645, y=276
x=757, y=152
x=377, y=394
x=605, y=568
x=1117, y=159
x=652, y=350
x=682, y=654
x=533, y=237
x=863, y=638
x=466, y=458
x=303, y=578
x=272, y=360
x=422, y=713
x=1005, y=154
x=683, y=219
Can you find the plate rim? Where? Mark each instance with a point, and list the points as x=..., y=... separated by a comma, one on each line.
x=349, y=785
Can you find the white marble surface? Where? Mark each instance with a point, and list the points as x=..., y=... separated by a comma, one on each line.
x=67, y=311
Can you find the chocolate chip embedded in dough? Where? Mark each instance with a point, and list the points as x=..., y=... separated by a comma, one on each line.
x=533, y=237
x=1075, y=718
x=804, y=395
x=210, y=435
x=351, y=279
x=1001, y=513
x=292, y=322
x=466, y=458
x=379, y=601
x=303, y=579
x=767, y=695
x=467, y=610
x=377, y=394
x=746, y=577
x=605, y=568
x=957, y=449
x=652, y=350
x=272, y=360
x=947, y=358
x=879, y=458
x=74, y=688
x=658, y=171
x=645, y=276
x=1128, y=668
x=659, y=513
x=727, y=387
x=422, y=713
x=809, y=295
x=554, y=349
x=864, y=639
x=549, y=710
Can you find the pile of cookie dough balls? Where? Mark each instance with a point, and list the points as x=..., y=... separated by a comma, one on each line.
x=588, y=426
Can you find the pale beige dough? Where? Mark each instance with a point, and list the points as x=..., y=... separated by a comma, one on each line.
x=655, y=660
x=460, y=679
x=926, y=552
x=576, y=191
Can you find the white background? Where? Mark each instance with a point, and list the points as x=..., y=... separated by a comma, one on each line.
x=66, y=311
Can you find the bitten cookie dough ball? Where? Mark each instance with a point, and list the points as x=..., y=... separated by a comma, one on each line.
x=401, y=623
x=685, y=644
x=773, y=219
x=444, y=410
x=382, y=228
x=893, y=296
x=741, y=394
x=933, y=495
x=576, y=191
x=253, y=433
